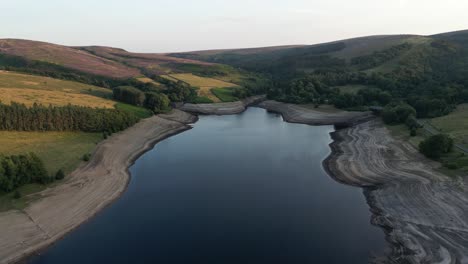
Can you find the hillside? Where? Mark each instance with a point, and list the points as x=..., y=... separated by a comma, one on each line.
x=150, y=62
x=65, y=56
x=30, y=89
x=305, y=57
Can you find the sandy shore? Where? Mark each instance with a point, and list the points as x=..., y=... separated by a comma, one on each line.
x=297, y=114
x=222, y=108
x=424, y=212
x=86, y=191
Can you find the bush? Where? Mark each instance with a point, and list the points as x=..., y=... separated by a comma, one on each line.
x=86, y=157
x=436, y=145
x=60, y=175
x=451, y=165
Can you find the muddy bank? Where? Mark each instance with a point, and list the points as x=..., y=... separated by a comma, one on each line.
x=222, y=108
x=424, y=213
x=86, y=191
x=298, y=114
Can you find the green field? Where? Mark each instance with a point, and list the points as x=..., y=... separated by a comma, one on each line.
x=140, y=112
x=204, y=84
x=454, y=124
x=58, y=150
x=225, y=94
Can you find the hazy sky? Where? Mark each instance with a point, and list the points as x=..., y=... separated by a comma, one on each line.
x=181, y=25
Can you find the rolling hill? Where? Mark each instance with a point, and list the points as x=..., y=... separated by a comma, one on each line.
x=302, y=58
x=68, y=57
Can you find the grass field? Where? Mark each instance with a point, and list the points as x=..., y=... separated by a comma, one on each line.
x=30, y=89
x=56, y=98
x=148, y=80
x=136, y=110
x=58, y=150
x=224, y=94
x=169, y=77
x=454, y=124
x=204, y=84
x=197, y=81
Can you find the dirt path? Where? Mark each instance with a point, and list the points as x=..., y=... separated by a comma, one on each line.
x=297, y=114
x=425, y=212
x=86, y=191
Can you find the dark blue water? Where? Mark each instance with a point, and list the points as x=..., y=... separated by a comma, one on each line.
x=247, y=188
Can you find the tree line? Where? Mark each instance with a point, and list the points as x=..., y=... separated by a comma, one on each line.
x=19, y=117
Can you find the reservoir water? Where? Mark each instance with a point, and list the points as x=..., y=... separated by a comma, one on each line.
x=245, y=188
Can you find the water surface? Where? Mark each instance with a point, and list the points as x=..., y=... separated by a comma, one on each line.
x=246, y=188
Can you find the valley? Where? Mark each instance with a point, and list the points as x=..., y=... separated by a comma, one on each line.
x=84, y=115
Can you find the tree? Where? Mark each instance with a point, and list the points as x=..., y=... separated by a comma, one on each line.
x=434, y=146
x=397, y=113
x=129, y=95
x=157, y=102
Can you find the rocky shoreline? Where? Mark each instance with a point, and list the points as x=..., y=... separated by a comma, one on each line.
x=298, y=114
x=423, y=212
x=222, y=108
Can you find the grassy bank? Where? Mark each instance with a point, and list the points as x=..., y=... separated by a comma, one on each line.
x=58, y=150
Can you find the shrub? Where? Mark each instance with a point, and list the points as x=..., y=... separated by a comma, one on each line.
x=434, y=146
x=86, y=157
x=60, y=175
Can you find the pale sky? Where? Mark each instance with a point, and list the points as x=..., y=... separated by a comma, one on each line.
x=171, y=25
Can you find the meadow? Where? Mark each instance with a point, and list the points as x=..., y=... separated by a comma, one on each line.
x=204, y=84
x=58, y=150
x=454, y=124
x=30, y=89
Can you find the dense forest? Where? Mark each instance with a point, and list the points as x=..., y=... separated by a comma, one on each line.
x=426, y=80
x=18, y=117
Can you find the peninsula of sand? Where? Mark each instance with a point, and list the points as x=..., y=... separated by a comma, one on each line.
x=424, y=213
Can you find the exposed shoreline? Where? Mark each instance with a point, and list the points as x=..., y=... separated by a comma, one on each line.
x=424, y=213
x=222, y=108
x=297, y=114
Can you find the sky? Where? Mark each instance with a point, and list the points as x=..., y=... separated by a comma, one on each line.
x=186, y=25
